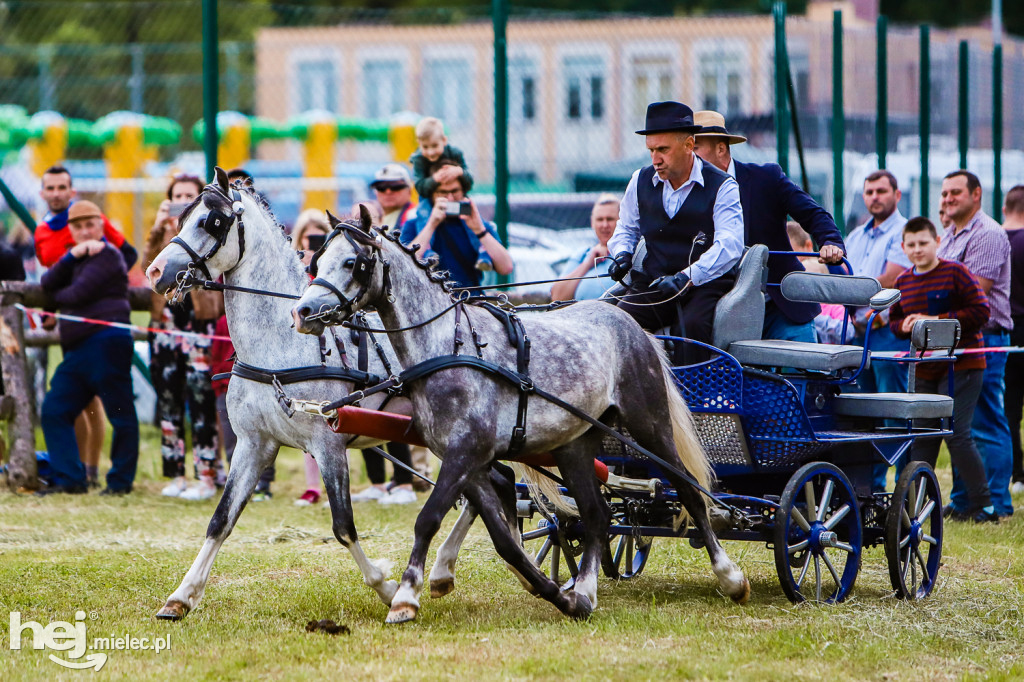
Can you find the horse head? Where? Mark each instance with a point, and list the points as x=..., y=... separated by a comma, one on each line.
x=349, y=274
x=204, y=245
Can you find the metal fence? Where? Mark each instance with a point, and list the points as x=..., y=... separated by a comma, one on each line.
x=325, y=95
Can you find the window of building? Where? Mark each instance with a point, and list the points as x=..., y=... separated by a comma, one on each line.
x=522, y=90
x=317, y=85
x=722, y=81
x=584, y=88
x=447, y=90
x=651, y=81
x=383, y=87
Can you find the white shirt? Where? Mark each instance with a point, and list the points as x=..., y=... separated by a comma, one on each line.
x=727, y=247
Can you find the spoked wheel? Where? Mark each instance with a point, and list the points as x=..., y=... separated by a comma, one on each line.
x=557, y=553
x=818, y=535
x=629, y=556
x=913, y=532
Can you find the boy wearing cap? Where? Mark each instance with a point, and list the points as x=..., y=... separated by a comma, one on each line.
x=91, y=281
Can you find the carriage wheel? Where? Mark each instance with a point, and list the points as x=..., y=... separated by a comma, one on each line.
x=818, y=535
x=627, y=554
x=913, y=532
x=557, y=553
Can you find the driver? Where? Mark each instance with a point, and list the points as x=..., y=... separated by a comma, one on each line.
x=689, y=214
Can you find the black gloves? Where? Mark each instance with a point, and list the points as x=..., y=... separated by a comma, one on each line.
x=620, y=265
x=670, y=285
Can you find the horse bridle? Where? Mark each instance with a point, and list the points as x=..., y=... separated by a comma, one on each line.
x=363, y=266
x=217, y=225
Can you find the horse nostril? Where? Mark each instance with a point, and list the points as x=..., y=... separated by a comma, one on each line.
x=305, y=311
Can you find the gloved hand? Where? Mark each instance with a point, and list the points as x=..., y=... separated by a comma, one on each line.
x=670, y=285
x=620, y=265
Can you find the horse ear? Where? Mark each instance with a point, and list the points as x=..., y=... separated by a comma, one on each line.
x=365, y=219
x=221, y=176
x=332, y=219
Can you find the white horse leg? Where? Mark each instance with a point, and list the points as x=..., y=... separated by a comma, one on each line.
x=731, y=578
x=248, y=463
x=334, y=471
x=442, y=574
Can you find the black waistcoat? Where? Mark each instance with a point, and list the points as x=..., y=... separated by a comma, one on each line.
x=670, y=240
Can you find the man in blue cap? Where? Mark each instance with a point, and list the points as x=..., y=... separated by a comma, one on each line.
x=689, y=214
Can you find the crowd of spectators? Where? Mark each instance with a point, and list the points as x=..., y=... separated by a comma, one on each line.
x=968, y=268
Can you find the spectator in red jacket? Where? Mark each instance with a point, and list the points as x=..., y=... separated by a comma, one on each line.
x=53, y=239
x=91, y=280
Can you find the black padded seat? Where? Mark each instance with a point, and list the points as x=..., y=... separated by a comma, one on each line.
x=818, y=357
x=894, y=405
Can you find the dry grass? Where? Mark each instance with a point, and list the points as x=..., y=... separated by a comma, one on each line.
x=119, y=559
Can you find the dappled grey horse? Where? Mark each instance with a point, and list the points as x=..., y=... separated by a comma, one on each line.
x=591, y=355
x=240, y=239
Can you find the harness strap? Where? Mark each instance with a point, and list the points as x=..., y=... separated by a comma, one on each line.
x=337, y=292
x=294, y=375
x=422, y=369
x=196, y=258
x=459, y=309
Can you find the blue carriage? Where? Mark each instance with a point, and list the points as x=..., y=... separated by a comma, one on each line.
x=792, y=452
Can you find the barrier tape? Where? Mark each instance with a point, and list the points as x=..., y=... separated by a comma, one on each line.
x=958, y=351
x=120, y=325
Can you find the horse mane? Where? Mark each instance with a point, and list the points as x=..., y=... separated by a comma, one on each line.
x=431, y=266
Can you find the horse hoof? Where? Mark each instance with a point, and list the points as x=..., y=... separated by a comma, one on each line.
x=743, y=596
x=441, y=587
x=581, y=608
x=172, y=610
x=401, y=613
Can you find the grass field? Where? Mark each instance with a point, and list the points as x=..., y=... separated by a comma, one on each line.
x=118, y=559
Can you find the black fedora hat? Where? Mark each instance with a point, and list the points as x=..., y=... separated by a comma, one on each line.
x=664, y=117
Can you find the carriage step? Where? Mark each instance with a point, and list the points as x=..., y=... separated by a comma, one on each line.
x=894, y=405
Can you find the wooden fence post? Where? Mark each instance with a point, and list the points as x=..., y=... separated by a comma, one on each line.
x=21, y=464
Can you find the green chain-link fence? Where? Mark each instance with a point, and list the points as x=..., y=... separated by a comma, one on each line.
x=325, y=95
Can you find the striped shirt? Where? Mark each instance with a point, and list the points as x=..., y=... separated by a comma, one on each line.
x=984, y=248
x=951, y=292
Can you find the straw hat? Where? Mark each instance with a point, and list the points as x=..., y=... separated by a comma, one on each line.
x=712, y=124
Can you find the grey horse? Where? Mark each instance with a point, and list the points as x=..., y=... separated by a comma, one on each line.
x=260, y=257
x=591, y=355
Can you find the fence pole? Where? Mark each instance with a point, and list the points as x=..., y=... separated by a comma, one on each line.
x=499, y=12
x=882, y=66
x=781, y=120
x=210, y=85
x=997, y=130
x=964, y=114
x=926, y=123
x=838, y=123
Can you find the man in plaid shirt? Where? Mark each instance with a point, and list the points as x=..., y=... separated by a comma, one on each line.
x=980, y=243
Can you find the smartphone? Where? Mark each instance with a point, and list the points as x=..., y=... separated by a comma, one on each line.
x=175, y=210
x=316, y=241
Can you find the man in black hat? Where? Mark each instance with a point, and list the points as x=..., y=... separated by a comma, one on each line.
x=689, y=214
x=768, y=197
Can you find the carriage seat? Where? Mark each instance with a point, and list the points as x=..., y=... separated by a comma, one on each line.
x=739, y=314
x=812, y=287
x=894, y=405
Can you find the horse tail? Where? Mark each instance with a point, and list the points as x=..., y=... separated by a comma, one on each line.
x=544, y=491
x=684, y=433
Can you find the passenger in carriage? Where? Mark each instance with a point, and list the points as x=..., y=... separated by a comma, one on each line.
x=767, y=197
x=690, y=216
x=934, y=289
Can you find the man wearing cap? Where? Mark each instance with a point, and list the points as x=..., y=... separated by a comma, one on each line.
x=52, y=237
x=689, y=214
x=91, y=281
x=393, y=188
x=768, y=196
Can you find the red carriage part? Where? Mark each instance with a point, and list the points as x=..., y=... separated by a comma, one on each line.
x=387, y=426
